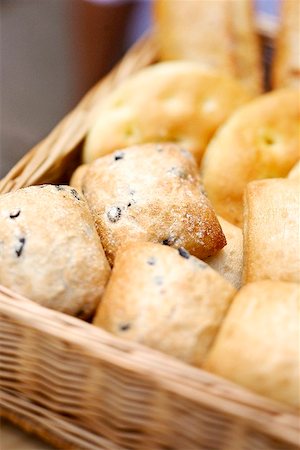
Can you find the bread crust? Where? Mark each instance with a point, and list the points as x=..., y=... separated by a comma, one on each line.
x=229, y=261
x=165, y=299
x=260, y=140
x=272, y=230
x=258, y=343
x=286, y=62
x=179, y=101
x=294, y=173
x=50, y=251
x=77, y=177
x=151, y=193
x=187, y=30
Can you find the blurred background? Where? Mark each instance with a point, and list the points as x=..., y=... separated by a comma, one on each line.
x=52, y=52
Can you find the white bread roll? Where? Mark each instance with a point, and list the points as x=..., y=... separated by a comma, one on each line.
x=272, y=230
x=258, y=344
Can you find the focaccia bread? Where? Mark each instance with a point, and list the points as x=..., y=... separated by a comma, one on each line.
x=166, y=299
x=151, y=192
x=219, y=34
x=272, y=230
x=260, y=140
x=229, y=261
x=50, y=251
x=286, y=62
x=258, y=343
x=176, y=101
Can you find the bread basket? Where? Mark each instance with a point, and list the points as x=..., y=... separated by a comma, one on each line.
x=81, y=388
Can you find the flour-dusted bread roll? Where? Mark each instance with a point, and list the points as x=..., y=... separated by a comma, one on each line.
x=151, y=193
x=175, y=101
x=220, y=34
x=166, y=299
x=286, y=63
x=272, y=230
x=260, y=140
x=258, y=343
x=229, y=261
x=294, y=174
x=77, y=177
x=50, y=251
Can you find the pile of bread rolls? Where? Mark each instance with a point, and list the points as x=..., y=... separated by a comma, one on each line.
x=180, y=230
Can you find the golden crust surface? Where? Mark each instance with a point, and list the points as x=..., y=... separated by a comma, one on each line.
x=260, y=140
x=258, y=343
x=164, y=299
x=168, y=102
x=151, y=193
x=50, y=251
x=272, y=231
x=187, y=30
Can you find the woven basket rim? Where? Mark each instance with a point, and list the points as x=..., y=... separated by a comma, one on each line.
x=215, y=392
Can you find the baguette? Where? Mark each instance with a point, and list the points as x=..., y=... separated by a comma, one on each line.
x=219, y=34
x=286, y=66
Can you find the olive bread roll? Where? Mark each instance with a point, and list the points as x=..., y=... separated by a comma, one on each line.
x=151, y=193
x=50, y=251
x=166, y=299
x=77, y=177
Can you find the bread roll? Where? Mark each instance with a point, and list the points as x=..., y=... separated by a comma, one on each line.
x=151, y=193
x=165, y=299
x=258, y=343
x=174, y=101
x=77, y=177
x=229, y=261
x=294, y=173
x=272, y=230
x=50, y=251
x=260, y=140
x=187, y=30
x=286, y=62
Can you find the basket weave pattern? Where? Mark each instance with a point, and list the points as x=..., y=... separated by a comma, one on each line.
x=79, y=387
x=94, y=391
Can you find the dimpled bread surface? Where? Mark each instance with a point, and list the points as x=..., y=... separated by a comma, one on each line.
x=258, y=343
x=260, y=140
x=151, y=193
x=177, y=101
x=50, y=251
x=272, y=230
x=166, y=299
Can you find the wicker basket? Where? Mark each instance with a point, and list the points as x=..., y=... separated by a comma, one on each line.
x=79, y=387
